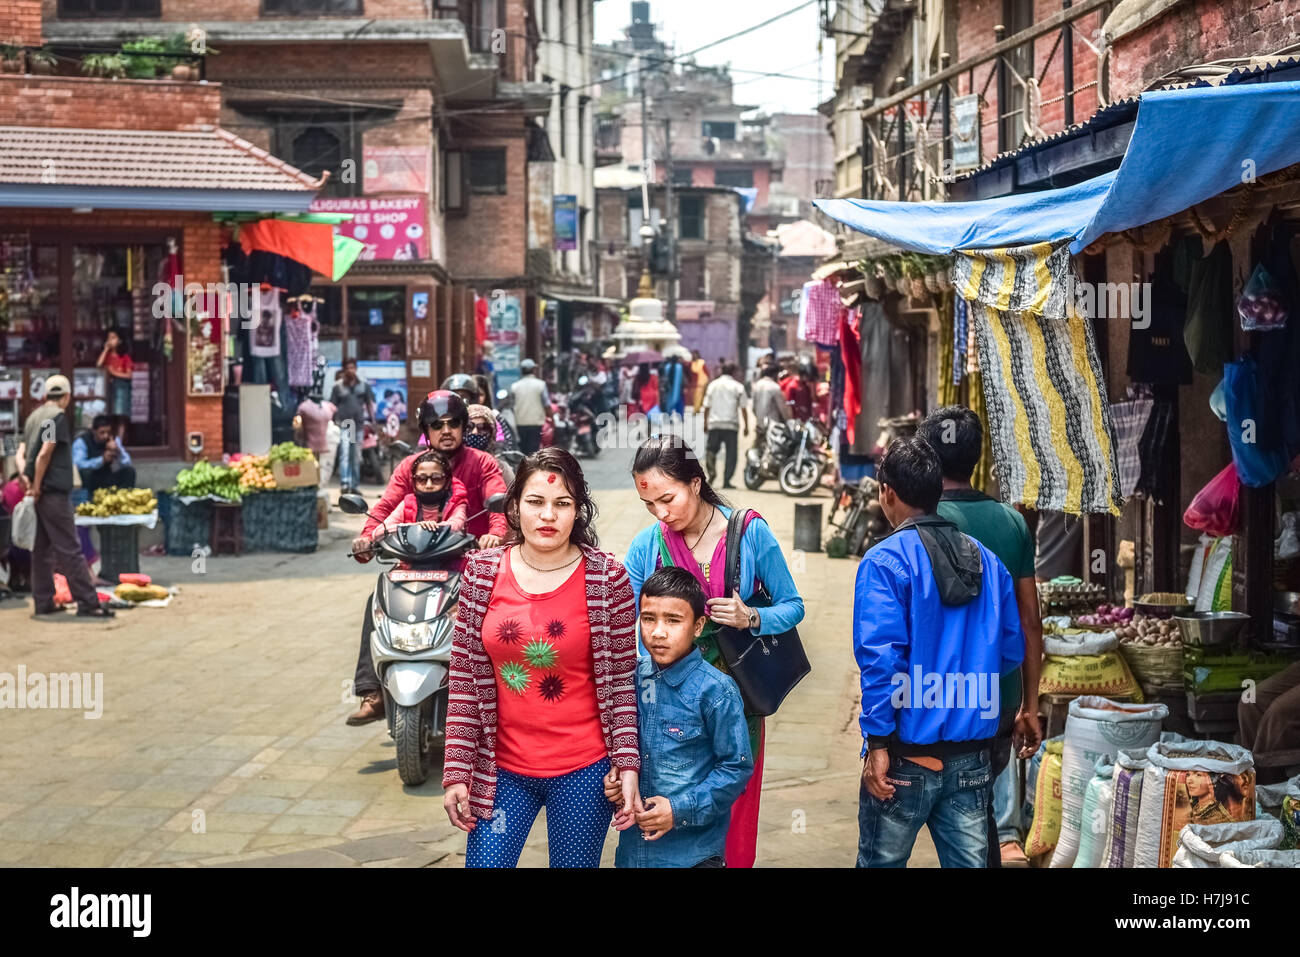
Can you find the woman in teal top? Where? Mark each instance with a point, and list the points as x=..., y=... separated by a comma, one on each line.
x=691, y=533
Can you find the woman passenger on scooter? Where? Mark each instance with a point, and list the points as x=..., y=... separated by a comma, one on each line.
x=542, y=679
x=438, y=499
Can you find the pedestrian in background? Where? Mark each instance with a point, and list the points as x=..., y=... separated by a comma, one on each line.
x=542, y=701
x=700, y=382
x=101, y=459
x=691, y=533
x=532, y=402
x=957, y=437
x=48, y=476
x=354, y=404
x=724, y=409
x=769, y=402
x=929, y=605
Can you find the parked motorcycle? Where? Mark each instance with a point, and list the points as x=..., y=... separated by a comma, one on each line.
x=411, y=615
x=794, y=453
x=862, y=523
x=585, y=406
x=561, y=423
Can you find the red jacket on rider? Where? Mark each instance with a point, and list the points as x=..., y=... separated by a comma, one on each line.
x=476, y=470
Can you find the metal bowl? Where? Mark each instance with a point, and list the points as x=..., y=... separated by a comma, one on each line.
x=1210, y=629
x=1153, y=610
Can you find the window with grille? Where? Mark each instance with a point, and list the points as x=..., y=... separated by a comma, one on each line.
x=487, y=171
x=742, y=178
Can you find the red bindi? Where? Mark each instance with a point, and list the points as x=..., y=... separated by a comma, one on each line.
x=644, y=485
x=550, y=478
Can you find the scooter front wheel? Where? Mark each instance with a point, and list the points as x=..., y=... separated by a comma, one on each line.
x=799, y=477
x=414, y=736
x=753, y=476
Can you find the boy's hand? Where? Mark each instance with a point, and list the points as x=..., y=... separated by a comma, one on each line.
x=657, y=818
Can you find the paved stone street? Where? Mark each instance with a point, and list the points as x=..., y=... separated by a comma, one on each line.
x=222, y=739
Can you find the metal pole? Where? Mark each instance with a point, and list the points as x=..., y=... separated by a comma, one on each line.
x=946, y=106
x=865, y=153
x=670, y=222
x=999, y=33
x=1067, y=63
x=902, y=149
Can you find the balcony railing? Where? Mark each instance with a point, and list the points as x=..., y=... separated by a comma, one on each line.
x=916, y=139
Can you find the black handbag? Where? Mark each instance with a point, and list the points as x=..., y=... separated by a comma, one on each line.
x=765, y=667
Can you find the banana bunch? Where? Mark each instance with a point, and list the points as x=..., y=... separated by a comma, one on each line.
x=254, y=473
x=205, y=478
x=119, y=501
x=289, y=452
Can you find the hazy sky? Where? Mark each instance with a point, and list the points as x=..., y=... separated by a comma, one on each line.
x=787, y=46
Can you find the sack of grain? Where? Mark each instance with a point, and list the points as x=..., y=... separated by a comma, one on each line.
x=1087, y=664
x=1046, y=828
x=1095, y=822
x=1127, y=793
x=1261, y=859
x=1291, y=819
x=1200, y=845
x=1191, y=782
x=1096, y=727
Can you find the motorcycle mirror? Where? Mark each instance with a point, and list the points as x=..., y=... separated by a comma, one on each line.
x=402, y=448
x=496, y=504
x=353, y=504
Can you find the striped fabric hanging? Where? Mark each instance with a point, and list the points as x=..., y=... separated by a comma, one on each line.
x=1044, y=394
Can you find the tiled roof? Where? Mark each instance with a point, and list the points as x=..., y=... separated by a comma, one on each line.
x=207, y=158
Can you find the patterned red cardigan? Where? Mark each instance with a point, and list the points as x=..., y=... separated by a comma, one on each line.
x=472, y=700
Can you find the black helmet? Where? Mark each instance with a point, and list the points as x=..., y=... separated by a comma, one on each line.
x=460, y=382
x=442, y=405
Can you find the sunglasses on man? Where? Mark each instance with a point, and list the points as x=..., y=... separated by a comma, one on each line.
x=437, y=425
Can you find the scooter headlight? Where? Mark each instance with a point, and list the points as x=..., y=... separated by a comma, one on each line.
x=415, y=636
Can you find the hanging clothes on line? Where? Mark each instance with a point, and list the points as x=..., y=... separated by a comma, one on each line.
x=264, y=338
x=960, y=331
x=819, y=319
x=1052, y=435
x=1130, y=422
x=302, y=330
x=851, y=355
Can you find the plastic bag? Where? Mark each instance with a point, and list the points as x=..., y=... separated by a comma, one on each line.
x=1261, y=306
x=1215, y=509
x=1288, y=540
x=23, y=532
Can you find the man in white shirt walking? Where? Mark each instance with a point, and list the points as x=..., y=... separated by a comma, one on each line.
x=531, y=402
x=724, y=408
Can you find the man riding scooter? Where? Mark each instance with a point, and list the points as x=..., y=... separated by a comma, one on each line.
x=443, y=418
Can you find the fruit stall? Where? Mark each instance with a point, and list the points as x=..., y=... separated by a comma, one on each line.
x=245, y=503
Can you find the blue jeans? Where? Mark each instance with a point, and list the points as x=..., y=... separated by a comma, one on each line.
x=349, y=461
x=952, y=802
x=577, y=818
x=1005, y=812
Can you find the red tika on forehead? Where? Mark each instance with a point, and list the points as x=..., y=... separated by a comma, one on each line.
x=645, y=484
x=550, y=478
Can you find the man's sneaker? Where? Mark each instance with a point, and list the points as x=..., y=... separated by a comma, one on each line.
x=1013, y=855
x=372, y=709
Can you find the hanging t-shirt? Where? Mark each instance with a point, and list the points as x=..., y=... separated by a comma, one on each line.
x=264, y=338
x=548, y=721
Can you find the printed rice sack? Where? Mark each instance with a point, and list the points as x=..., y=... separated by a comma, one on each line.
x=1096, y=728
x=1087, y=664
x=1045, y=830
x=1271, y=799
x=1291, y=820
x=1126, y=787
x=1095, y=822
x=1200, y=845
x=1190, y=782
x=1260, y=859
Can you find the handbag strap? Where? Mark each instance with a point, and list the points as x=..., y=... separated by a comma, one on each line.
x=735, y=528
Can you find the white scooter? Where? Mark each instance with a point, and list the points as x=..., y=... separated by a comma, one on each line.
x=413, y=613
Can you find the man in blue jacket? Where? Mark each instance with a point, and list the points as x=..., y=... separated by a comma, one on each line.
x=935, y=626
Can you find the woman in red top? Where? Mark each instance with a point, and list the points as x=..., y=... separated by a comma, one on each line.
x=646, y=389
x=114, y=360
x=542, y=687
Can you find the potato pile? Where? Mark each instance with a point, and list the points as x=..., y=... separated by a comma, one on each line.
x=1146, y=630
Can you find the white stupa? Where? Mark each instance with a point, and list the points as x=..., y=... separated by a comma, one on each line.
x=645, y=326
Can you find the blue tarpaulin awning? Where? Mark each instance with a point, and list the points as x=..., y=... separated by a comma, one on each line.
x=1187, y=146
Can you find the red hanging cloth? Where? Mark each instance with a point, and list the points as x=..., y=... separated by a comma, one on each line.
x=851, y=356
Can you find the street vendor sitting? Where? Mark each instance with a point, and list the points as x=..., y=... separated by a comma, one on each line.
x=101, y=459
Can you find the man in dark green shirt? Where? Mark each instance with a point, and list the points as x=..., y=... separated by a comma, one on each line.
x=957, y=435
x=48, y=478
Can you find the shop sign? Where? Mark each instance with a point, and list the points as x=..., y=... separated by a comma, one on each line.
x=566, y=222
x=966, y=132
x=394, y=228
x=396, y=169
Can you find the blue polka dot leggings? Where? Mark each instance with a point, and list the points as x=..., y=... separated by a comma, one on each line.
x=577, y=818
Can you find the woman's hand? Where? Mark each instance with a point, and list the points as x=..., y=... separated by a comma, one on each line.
x=489, y=541
x=624, y=816
x=429, y=526
x=361, y=548
x=456, y=803
x=728, y=611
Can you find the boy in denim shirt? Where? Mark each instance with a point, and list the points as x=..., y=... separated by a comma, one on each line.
x=695, y=757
